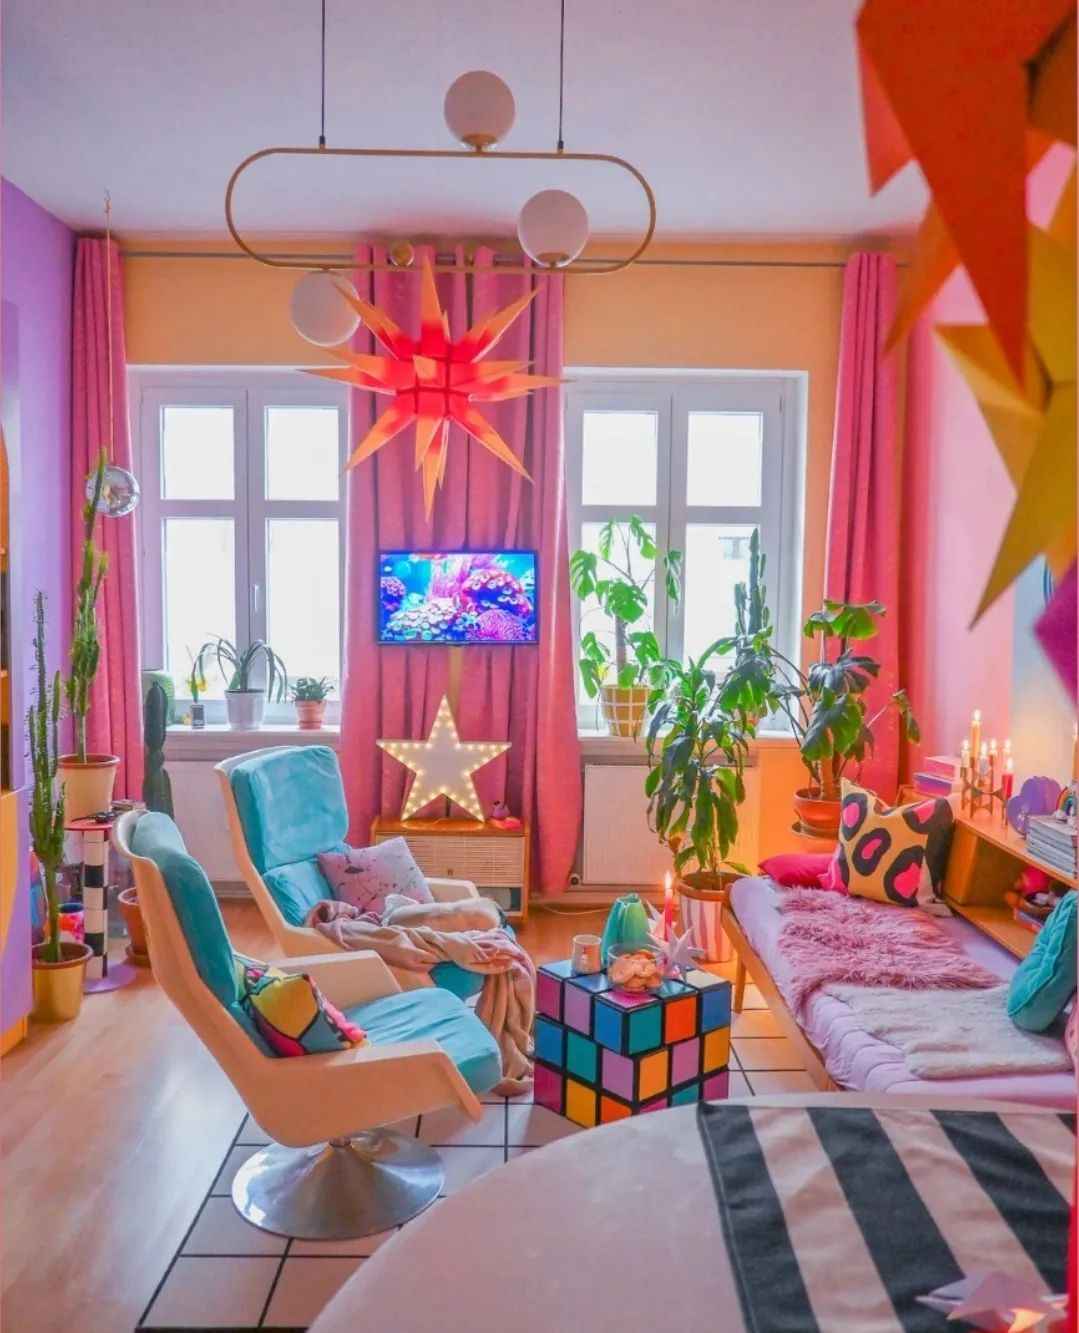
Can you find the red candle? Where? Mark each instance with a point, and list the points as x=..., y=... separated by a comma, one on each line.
x=668, y=905
x=1007, y=778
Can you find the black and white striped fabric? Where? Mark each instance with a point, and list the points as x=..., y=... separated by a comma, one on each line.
x=838, y=1218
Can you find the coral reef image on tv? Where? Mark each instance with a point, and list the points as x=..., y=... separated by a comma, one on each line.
x=486, y=597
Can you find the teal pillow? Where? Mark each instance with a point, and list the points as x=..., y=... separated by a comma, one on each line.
x=1046, y=979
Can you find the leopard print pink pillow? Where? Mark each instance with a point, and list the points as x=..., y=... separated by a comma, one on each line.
x=366, y=876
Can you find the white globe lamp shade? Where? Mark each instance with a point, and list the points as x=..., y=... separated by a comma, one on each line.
x=553, y=228
x=479, y=109
x=319, y=310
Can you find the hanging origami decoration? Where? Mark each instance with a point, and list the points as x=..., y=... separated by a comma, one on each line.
x=435, y=382
x=999, y=76
x=444, y=764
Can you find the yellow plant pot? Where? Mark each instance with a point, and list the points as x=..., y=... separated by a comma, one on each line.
x=624, y=707
x=58, y=986
x=87, y=783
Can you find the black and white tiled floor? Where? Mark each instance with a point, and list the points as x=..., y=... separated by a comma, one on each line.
x=228, y=1275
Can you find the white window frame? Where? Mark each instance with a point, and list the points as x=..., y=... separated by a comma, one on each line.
x=781, y=398
x=248, y=391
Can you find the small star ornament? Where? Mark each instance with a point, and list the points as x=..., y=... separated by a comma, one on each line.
x=999, y=1303
x=677, y=955
x=443, y=764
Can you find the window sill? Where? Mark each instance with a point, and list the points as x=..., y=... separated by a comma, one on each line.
x=218, y=741
x=603, y=747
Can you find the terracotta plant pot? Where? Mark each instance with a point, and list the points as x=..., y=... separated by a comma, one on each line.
x=137, y=950
x=702, y=897
x=58, y=986
x=623, y=708
x=816, y=815
x=309, y=714
x=87, y=783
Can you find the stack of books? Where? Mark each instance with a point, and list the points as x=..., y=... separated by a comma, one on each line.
x=940, y=777
x=1052, y=841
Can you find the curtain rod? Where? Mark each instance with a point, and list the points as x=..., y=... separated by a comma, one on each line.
x=316, y=259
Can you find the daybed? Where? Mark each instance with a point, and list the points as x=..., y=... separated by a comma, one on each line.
x=836, y=1049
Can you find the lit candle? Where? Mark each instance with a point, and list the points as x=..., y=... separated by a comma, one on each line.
x=668, y=906
x=992, y=746
x=1007, y=778
x=983, y=758
x=1007, y=747
x=976, y=731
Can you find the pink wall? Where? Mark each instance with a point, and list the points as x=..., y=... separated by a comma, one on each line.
x=957, y=498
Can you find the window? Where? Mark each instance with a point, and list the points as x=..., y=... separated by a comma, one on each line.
x=241, y=520
x=703, y=459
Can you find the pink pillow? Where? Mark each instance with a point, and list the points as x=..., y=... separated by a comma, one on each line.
x=797, y=869
x=1071, y=1034
x=832, y=878
x=366, y=876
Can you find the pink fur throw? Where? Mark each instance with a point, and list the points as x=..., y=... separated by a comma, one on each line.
x=828, y=938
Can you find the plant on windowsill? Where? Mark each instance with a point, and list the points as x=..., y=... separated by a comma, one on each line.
x=245, y=702
x=637, y=661
x=825, y=705
x=309, y=695
x=59, y=966
x=87, y=778
x=196, y=684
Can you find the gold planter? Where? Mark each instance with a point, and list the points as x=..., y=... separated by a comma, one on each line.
x=58, y=986
x=87, y=783
x=624, y=707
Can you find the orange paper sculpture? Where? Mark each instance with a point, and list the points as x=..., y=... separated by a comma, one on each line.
x=957, y=84
x=434, y=382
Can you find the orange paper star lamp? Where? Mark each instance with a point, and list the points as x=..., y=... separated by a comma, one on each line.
x=948, y=82
x=435, y=381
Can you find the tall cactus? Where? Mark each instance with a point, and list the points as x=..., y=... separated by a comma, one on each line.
x=156, y=787
x=46, y=804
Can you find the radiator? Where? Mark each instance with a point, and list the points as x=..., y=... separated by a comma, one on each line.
x=620, y=849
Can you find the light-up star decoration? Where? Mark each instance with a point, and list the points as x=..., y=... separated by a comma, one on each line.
x=435, y=381
x=444, y=764
x=995, y=1300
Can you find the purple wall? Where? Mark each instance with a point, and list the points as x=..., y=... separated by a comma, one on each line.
x=37, y=260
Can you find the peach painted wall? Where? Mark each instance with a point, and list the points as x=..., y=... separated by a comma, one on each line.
x=958, y=499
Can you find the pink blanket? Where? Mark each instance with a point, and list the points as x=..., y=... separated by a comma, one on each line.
x=828, y=938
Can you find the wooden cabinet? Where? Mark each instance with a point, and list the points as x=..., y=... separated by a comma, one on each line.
x=496, y=860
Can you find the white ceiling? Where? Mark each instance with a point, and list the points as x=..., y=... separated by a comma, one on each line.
x=744, y=115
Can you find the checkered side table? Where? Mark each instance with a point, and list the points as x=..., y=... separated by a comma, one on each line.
x=603, y=1054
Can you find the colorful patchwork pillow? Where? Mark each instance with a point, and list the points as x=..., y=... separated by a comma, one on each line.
x=290, y=1013
x=366, y=876
x=895, y=855
x=1046, y=979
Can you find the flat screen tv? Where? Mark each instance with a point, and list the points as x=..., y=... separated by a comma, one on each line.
x=459, y=597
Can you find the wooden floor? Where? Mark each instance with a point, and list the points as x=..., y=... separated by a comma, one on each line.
x=113, y=1128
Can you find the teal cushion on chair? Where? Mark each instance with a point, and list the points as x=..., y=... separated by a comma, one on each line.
x=434, y=1013
x=291, y=804
x=296, y=889
x=1045, y=980
x=158, y=839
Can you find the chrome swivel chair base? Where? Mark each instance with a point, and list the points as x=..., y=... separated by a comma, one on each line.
x=339, y=1190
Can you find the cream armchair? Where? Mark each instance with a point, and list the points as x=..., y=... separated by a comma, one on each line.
x=284, y=805
x=332, y=1172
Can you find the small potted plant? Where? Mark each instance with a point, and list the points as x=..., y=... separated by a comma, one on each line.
x=309, y=695
x=88, y=779
x=824, y=706
x=196, y=685
x=638, y=663
x=245, y=702
x=696, y=755
x=59, y=966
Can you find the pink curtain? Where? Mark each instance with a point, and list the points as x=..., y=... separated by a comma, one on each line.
x=524, y=695
x=863, y=508
x=114, y=725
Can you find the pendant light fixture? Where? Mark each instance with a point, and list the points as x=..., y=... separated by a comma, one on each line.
x=479, y=108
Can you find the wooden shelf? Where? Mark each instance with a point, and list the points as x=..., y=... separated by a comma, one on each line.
x=1005, y=837
x=999, y=924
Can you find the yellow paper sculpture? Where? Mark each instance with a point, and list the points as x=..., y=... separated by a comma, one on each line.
x=957, y=85
x=434, y=381
x=444, y=764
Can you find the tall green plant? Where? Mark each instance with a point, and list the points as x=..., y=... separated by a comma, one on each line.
x=606, y=575
x=85, y=645
x=46, y=803
x=696, y=756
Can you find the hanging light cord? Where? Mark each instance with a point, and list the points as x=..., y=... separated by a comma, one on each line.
x=108, y=314
x=322, y=121
x=561, y=72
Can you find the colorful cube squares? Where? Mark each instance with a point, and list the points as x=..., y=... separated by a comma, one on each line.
x=717, y=1050
x=685, y=1060
x=577, y=1008
x=611, y=1109
x=716, y=1087
x=715, y=999
x=548, y=995
x=629, y=1024
x=582, y=1057
x=582, y=1103
x=550, y=1039
x=683, y=1096
x=680, y=1019
x=547, y=1088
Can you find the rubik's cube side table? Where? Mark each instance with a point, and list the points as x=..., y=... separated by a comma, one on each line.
x=603, y=1054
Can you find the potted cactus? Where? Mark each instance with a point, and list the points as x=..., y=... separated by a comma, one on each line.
x=309, y=696
x=157, y=795
x=59, y=966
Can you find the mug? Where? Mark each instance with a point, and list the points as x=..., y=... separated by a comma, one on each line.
x=585, y=957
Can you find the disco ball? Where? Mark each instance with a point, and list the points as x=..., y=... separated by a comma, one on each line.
x=119, y=492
